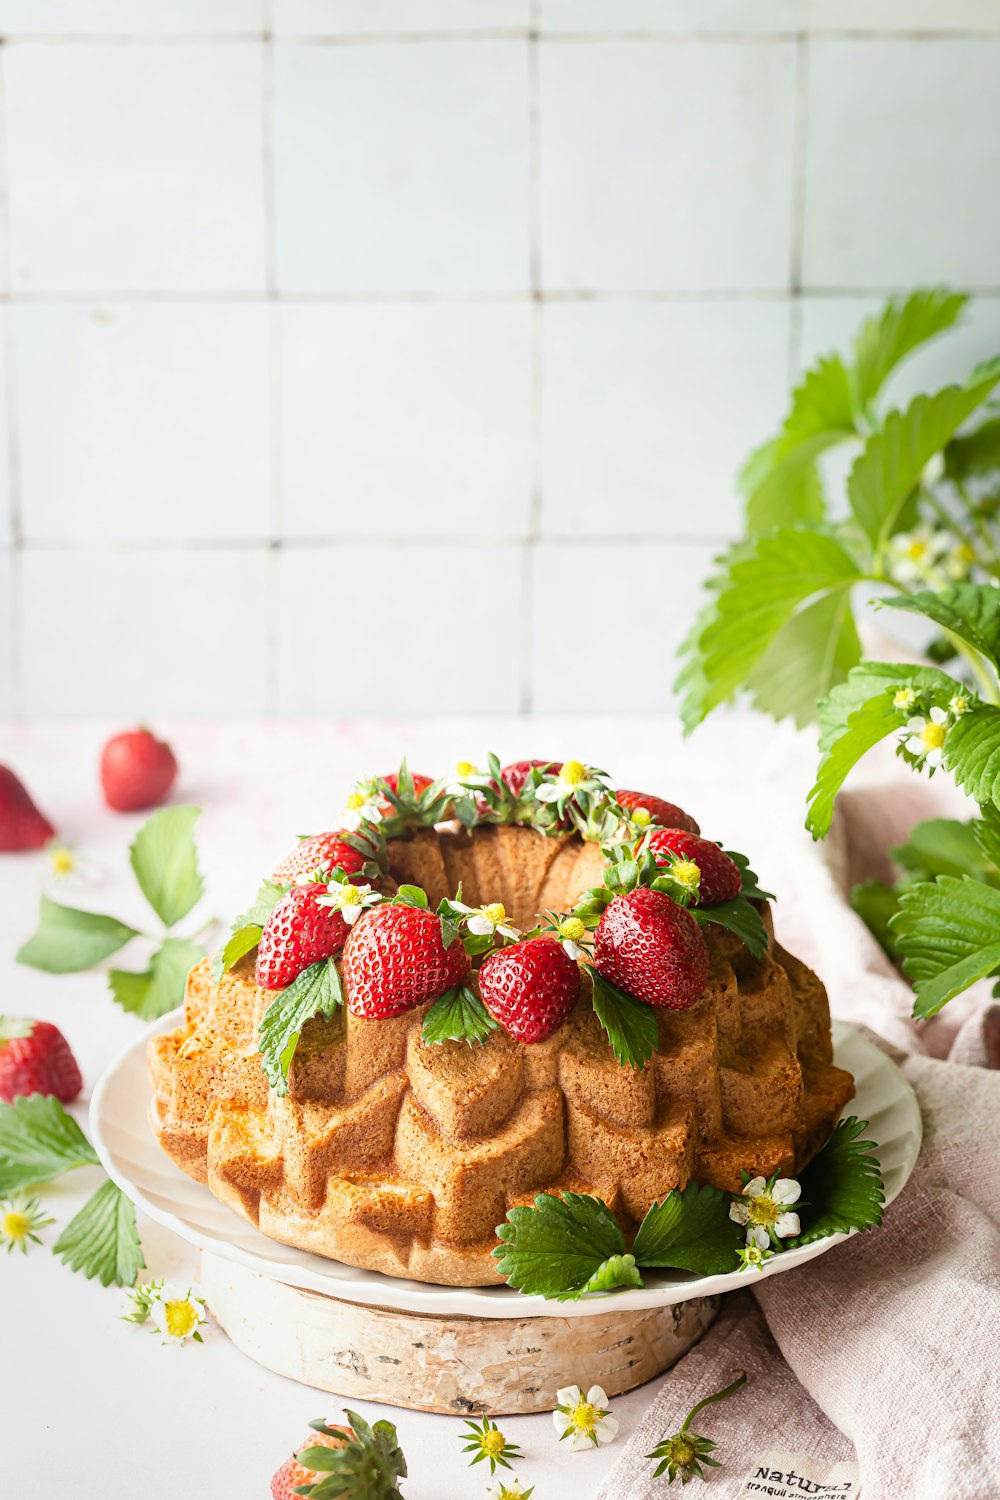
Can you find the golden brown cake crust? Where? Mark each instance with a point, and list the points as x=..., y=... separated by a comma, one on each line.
x=396, y=1156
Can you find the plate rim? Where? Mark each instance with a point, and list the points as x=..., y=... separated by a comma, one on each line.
x=374, y=1288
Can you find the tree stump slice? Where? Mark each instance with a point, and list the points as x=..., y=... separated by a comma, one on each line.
x=459, y=1366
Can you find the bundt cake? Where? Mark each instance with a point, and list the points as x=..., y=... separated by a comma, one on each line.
x=480, y=988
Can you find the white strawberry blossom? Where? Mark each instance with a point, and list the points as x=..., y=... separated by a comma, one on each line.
x=350, y=900
x=570, y=933
x=484, y=921
x=916, y=553
x=178, y=1316
x=925, y=737
x=959, y=705
x=573, y=774
x=584, y=1421
x=765, y=1210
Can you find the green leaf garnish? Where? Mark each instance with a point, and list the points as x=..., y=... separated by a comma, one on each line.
x=165, y=862
x=948, y=934
x=632, y=1028
x=316, y=991
x=68, y=940
x=458, y=1015
x=739, y=917
x=876, y=903
x=243, y=941
x=411, y=895
x=39, y=1141
x=556, y=1247
x=160, y=988
x=942, y=846
x=690, y=1230
x=102, y=1240
x=842, y=1187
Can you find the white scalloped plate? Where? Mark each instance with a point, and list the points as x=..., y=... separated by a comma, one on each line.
x=131, y=1155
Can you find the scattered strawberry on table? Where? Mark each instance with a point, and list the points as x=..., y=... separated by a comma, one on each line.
x=651, y=948
x=530, y=987
x=359, y=1462
x=35, y=1058
x=22, y=826
x=137, y=770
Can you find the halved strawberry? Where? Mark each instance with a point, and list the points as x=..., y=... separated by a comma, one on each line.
x=663, y=814
x=718, y=878
x=299, y=932
x=395, y=958
x=652, y=948
x=530, y=987
x=323, y=851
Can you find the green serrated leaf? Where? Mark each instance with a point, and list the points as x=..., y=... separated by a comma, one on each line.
x=102, y=1240
x=739, y=917
x=690, y=1230
x=974, y=453
x=69, y=940
x=948, y=934
x=986, y=832
x=243, y=941
x=876, y=903
x=39, y=1141
x=972, y=753
x=160, y=988
x=317, y=991
x=631, y=1026
x=886, y=338
x=969, y=610
x=842, y=1187
x=867, y=725
x=165, y=861
x=558, y=1245
x=612, y=1275
x=811, y=653
x=458, y=1016
x=941, y=846
x=894, y=458
x=750, y=887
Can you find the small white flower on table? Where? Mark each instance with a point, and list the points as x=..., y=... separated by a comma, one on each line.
x=349, y=900
x=765, y=1210
x=178, y=1317
x=925, y=737
x=584, y=1421
x=509, y=1489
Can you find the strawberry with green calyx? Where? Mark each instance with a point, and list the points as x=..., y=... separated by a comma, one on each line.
x=699, y=867
x=530, y=987
x=646, y=810
x=570, y=931
x=411, y=801
x=324, y=851
x=500, y=794
x=575, y=796
x=652, y=949
x=35, y=1058
x=368, y=1467
x=22, y=826
x=303, y=928
x=292, y=1474
x=399, y=955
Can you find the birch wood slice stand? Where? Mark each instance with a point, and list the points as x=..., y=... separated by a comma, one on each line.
x=455, y=1365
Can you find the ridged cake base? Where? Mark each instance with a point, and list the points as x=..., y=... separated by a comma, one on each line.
x=458, y=1366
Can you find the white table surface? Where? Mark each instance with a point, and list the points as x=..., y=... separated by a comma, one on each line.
x=98, y=1408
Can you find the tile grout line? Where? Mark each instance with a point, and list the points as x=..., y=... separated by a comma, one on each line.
x=536, y=375
x=461, y=299
x=271, y=644
x=800, y=152
x=638, y=36
x=15, y=604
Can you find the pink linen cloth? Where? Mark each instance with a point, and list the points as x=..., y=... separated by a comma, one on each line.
x=886, y=1350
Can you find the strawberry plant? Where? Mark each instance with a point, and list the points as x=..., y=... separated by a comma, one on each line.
x=921, y=534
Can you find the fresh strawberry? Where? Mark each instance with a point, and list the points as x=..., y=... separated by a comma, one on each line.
x=652, y=948
x=35, y=1058
x=720, y=878
x=420, y=784
x=137, y=770
x=299, y=932
x=663, y=814
x=292, y=1472
x=395, y=959
x=22, y=826
x=530, y=987
x=323, y=851
x=516, y=774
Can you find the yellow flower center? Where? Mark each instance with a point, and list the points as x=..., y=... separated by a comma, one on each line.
x=181, y=1318
x=965, y=553
x=493, y=1444
x=354, y=801
x=573, y=772
x=14, y=1225
x=916, y=550
x=464, y=770
x=641, y=817
x=682, y=1451
x=686, y=873
x=495, y=912
x=572, y=928
x=63, y=861
x=959, y=705
x=584, y=1418
x=933, y=735
x=763, y=1211
x=905, y=698
x=350, y=895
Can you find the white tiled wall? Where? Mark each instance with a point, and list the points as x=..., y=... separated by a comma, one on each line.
x=354, y=354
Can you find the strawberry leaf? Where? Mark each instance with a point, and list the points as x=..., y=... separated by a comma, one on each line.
x=317, y=991
x=750, y=888
x=556, y=1246
x=690, y=1230
x=411, y=895
x=458, y=1016
x=737, y=916
x=632, y=1028
x=241, y=942
x=886, y=338
x=165, y=862
x=160, y=987
x=842, y=1186
x=102, y=1240
x=39, y=1141
x=948, y=934
x=69, y=940
x=969, y=610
